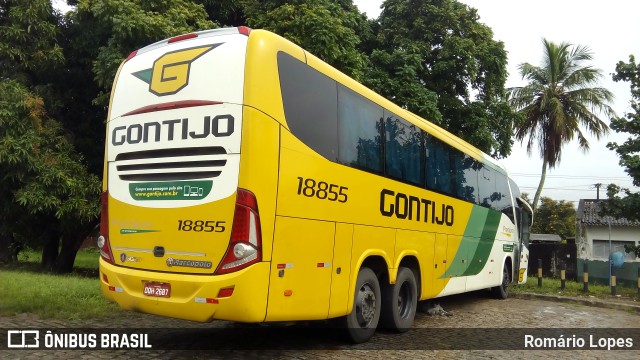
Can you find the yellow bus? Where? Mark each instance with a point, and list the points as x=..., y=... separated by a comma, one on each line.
x=247, y=180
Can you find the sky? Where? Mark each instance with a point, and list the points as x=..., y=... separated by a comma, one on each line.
x=611, y=30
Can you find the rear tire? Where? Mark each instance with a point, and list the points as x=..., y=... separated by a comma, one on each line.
x=363, y=320
x=502, y=291
x=399, y=302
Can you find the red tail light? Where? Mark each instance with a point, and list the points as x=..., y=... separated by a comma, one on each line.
x=103, y=238
x=245, y=246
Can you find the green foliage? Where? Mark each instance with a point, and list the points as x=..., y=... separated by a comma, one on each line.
x=561, y=97
x=630, y=123
x=225, y=12
x=555, y=217
x=42, y=174
x=436, y=59
x=45, y=189
x=393, y=75
x=28, y=30
x=628, y=205
x=330, y=30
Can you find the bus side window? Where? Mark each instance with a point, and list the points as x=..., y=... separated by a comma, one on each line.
x=439, y=173
x=403, y=150
x=466, y=176
x=310, y=105
x=359, y=131
x=486, y=186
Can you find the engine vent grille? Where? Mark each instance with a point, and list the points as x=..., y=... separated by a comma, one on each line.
x=171, y=164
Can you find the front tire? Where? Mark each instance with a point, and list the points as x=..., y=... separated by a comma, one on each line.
x=399, y=302
x=363, y=320
x=502, y=291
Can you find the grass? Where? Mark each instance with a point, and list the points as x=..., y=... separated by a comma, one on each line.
x=27, y=288
x=86, y=261
x=573, y=288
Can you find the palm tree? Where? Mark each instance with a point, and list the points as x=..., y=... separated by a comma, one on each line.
x=561, y=97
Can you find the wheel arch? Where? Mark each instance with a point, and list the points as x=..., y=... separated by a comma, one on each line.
x=378, y=263
x=411, y=262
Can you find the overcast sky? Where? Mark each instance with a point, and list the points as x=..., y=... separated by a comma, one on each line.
x=611, y=29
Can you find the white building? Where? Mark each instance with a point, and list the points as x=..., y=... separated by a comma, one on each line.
x=596, y=235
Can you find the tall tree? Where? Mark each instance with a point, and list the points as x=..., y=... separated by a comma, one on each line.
x=47, y=197
x=628, y=205
x=561, y=96
x=630, y=122
x=436, y=59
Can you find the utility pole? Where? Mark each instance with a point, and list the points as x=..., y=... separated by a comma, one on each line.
x=598, y=185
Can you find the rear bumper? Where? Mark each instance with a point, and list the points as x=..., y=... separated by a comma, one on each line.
x=193, y=297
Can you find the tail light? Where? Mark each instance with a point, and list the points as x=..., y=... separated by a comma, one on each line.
x=103, y=238
x=245, y=246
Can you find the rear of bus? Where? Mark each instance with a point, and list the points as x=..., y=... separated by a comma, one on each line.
x=180, y=236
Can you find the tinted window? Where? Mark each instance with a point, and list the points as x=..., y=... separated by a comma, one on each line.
x=359, y=131
x=502, y=199
x=403, y=150
x=466, y=176
x=438, y=165
x=310, y=105
x=486, y=186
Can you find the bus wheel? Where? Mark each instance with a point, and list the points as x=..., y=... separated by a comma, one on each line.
x=399, y=302
x=502, y=291
x=362, y=322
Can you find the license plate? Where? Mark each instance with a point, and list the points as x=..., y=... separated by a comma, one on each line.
x=157, y=289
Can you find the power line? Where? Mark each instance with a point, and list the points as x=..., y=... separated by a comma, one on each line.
x=577, y=177
x=546, y=188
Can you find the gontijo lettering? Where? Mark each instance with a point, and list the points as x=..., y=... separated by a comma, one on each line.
x=166, y=130
x=409, y=207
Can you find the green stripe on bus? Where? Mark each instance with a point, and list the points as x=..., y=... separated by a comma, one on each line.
x=469, y=243
x=481, y=255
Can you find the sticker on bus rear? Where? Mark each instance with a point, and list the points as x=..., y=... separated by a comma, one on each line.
x=171, y=190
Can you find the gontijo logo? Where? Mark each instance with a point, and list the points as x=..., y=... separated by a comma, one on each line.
x=170, y=72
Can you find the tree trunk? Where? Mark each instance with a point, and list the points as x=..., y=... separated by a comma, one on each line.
x=50, y=249
x=541, y=185
x=70, y=246
x=9, y=249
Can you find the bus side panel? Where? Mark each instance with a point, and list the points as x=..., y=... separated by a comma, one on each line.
x=259, y=169
x=423, y=245
x=438, y=281
x=300, y=269
x=341, y=272
x=457, y=259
